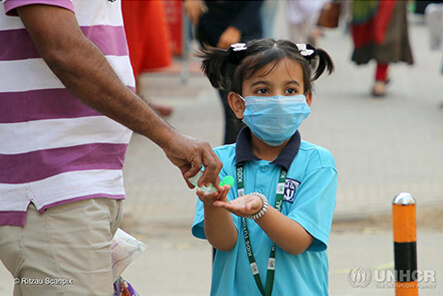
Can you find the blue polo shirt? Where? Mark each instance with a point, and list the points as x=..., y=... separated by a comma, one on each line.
x=309, y=199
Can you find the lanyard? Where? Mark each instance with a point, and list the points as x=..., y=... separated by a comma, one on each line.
x=271, y=263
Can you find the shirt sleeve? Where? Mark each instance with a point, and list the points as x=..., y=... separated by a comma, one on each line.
x=314, y=205
x=12, y=5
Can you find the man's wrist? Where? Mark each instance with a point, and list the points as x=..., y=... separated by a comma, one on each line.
x=164, y=135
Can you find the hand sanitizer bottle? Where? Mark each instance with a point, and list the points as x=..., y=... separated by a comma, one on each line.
x=227, y=180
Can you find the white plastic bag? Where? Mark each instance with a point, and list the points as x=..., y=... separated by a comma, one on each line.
x=124, y=249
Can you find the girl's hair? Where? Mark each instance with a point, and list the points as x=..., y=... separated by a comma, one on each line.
x=226, y=69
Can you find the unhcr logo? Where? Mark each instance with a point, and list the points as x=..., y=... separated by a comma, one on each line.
x=390, y=279
x=360, y=277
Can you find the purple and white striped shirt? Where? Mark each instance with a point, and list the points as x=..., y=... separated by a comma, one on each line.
x=53, y=148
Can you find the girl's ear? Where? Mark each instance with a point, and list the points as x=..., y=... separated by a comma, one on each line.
x=309, y=98
x=237, y=104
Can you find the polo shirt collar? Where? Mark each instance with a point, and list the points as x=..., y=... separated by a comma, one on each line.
x=243, y=149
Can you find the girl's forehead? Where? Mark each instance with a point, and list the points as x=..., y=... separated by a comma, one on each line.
x=284, y=67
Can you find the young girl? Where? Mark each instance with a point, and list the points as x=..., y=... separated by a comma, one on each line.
x=271, y=228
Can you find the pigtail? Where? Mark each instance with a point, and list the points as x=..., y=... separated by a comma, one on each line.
x=318, y=59
x=324, y=62
x=214, y=65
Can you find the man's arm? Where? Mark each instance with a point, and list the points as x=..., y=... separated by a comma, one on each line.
x=84, y=70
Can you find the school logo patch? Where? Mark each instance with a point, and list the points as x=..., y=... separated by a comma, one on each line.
x=291, y=187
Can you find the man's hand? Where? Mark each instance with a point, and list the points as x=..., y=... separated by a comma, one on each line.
x=230, y=36
x=243, y=206
x=189, y=154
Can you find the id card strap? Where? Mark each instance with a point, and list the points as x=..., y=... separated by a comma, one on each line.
x=240, y=180
x=271, y=263
x=278, y=206
x=252, y=262
x=280, y=190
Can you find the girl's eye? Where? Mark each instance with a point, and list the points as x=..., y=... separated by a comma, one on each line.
x=291, y=91
x=262, y=91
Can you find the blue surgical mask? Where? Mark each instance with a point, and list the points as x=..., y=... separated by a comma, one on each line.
x=275, y=119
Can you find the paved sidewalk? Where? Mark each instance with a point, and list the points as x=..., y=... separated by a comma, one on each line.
x=176, y=264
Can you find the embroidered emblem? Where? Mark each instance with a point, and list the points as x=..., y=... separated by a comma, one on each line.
x=291, y=187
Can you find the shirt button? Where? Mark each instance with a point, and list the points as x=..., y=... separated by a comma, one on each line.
x=261, y=190
x=264, y=169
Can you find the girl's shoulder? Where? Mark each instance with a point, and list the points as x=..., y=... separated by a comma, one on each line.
x=225, y=151
x=315, y=153
x=225, y=148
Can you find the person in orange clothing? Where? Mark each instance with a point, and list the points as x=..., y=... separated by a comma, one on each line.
x=148, y=40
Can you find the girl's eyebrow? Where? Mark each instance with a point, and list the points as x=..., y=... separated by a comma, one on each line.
x=292, y=81
x=268, y=83
x=261, y=82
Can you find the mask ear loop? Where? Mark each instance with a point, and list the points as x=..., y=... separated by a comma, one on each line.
x=244, y=101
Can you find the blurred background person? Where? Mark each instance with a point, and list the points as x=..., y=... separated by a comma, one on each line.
x=420, y=6
x=221, y=24
x=268, y=12
x=380, y=32
x=148, y=41
x=302, y=16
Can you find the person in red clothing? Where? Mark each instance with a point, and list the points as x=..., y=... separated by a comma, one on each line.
x=380, y=33
x=148, y=40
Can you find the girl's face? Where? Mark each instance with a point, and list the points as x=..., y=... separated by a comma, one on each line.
x=286, y=79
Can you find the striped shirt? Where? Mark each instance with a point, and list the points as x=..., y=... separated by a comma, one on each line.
x=53, y=148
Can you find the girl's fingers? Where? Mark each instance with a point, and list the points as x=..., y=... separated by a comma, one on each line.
x=221, y=192
x=219, y=204
x=242, y=206
x=200, y=193
x=207, y=197
x=235, y=209
x=224, y=190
